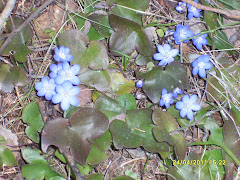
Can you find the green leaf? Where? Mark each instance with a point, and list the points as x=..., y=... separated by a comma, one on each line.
x=127, y=37
x=102, y=25
x=89, y=5
x=38, y=168
x=235, y=114
x=19, y=42
x=216, y=132
x=123, y=178
x=121, y=85
x=101, y=80
x=164, y=132
x=128, y=9
x=143, y=60
x=111, y=107
x=100, y=145
x=11, y=77
x=95, y=176
x=31, y=114
x=157, y=79
x=80, y=19
x=83, y=127
x=137, y=131
x=6, y=157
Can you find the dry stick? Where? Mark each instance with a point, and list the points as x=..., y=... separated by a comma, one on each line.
x=73, y=165
x=200, y=6
x=26, y=22
x=6, y=12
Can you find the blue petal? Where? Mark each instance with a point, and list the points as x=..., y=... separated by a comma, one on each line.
x=160, y=49
x=183, y=113
x=202, y=72
x=67, y=50
x=74, y=90
x=56, y=50
x=73, y=100
x=167, y=105
x=57, y=98
x=208, y=65
x=69, y=58
x=195, y=70
x=66, y=66
x=65, y=105
x=196, y=107
x=75, y=69
x=53, y=67
x=44, y=80
x=166, y=48
x=204, y=58
x=59, y=79
x=60, y=89
x=174, y=52
x=164, y=91
x=185, y=99
x=190, y=115
x=41, y=92
x=39, y=86
x=190, y=15
x=75, y=80
x=48, y=96
x=193, y=98
x=67, y=85
x=52, y=75
x=179, y=105
x=161, y=103
x=158, y=56
x=162, y=63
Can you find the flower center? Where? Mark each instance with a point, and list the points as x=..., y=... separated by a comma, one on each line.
x=166, y=98
x=199, y=40
x=182, y=33
x=201, y=64
x=193, y=9
x=66, y=94
x=62, y=55
x=68, y=75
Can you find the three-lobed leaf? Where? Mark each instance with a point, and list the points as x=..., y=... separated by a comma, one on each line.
x=77, y=134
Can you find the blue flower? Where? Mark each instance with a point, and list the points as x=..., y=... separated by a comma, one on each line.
x=68, y=73
x=66, y=95
x=166, y=54
x=54, y=69
x=63, y=54
x=46, y=87
x=166, y=98
x=181, y=33
x=177, y=91
x=182, y=6
x=192, y=11
x=139, y=84
x=187, y=106
x=200, y=65
x=200, y=41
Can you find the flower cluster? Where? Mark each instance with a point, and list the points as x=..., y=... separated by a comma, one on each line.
x=186, y=106
x=60, y=86
x=192, y=11
x=182, y=33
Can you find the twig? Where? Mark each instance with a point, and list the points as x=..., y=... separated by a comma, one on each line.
x=26, y=22
x=220, y=11
x=73, y=165
x=6, y=12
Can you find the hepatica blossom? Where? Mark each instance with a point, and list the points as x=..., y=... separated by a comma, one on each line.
x=176, y=92
x=68, y=73
x=181, y=33
x=66, y=95
x=193, y=12
x=166, y=98
x=200, y=65
x=166, y=54
x=63, y=54
x=182, y=6
x=200, y=41
x=187, y=106
x=46, y=87
x=139, y=84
